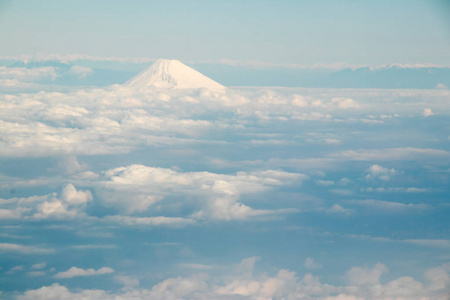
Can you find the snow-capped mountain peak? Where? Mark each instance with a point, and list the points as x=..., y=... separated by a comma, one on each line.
x=172, y=74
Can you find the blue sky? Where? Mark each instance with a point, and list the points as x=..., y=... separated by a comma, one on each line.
x=290, y=181
x=299, y=32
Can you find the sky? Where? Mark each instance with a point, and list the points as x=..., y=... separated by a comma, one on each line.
x=122, y=184
x=294, y=32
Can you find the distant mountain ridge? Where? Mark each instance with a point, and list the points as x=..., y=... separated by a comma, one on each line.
x=107, y=73
x=390, y=77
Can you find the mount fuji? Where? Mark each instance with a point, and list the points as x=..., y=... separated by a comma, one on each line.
x=172, y=74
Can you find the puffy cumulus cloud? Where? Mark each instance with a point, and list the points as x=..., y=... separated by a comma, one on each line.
x=74, y=272
x=118, y=119
x=427, y=112
x=365, y=275
x=81, y=71
x=337, y=209
x=73, y=197
x=27, y=75
x=377, y=171
x=127, y=187
x=70, y=204
x=333, y=103
x=310, y=263
x=57, y=292
x=284, y=284
x=15, y=213
x=344, y=102
x=439, y=278
x=15, y=269
x=39, y=266
x=441, y=86
x=56, y=123
x=70, y=165
x=128, y=282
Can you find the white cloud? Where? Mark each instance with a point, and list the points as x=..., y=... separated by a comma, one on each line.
x=365, y=275
x=69, y=205
x=39, y=266
x=430, y=243
x=127, y=187
x=391, y=154
x=439, y=278
x=391, y=206
x=73, y=197
x=344, y=102
x=15, y=269
x=311, y=264
x=427, y=112
x=325, y=182
x=377, y=171
x=24, y=249
x=74, y=272
x=81, y=71
x=365, y=284
x=337, y=209
x=148, y=221
x=56, y=292
x=194, y=266
x=27, y=75
x=6, y=214
x=129, y=283
x=36, y=273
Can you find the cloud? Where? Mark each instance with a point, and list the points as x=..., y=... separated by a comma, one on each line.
x=15, y=269
x=377, y=171
x=27, y=75
x=129, y=283
x=194, y=266
x=24, y=249
x=73, y=197
x=391, y=154
x=284, y=284
x=36, y=273
x=56, y=291
x=149, y=221
x=344, y=102
x=390, y=206
x=220, y=192
x=311, y=264
x=445, y=244
x=439, y=278
x=39, y=266
x=365, y=275
x=81, y=71
x=70, y=204
x=74, y=272
x=397, y=190
x=337, y=209
x=325, y=182
x=427, y=112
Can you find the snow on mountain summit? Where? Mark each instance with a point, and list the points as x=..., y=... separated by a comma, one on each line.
x=172, y=74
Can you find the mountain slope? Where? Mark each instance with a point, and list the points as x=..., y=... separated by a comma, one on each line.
x=172, y=74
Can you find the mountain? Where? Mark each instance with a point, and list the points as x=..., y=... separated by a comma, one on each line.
x=389, y=77
x=172, y=74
